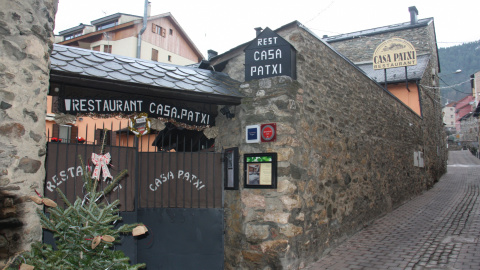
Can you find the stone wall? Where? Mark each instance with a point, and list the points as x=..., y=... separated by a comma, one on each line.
x=345, y=156
x=26, y=34
x=361, y=49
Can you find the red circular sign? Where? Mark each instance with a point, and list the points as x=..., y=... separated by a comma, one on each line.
x=268, y=132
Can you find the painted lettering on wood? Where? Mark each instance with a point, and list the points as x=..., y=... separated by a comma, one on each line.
x=269, y=55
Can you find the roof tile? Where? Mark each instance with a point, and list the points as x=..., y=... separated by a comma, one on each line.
x=79, y=52
x=188, y=71
x=147, y=64
x=112, y=65
x=140, y=66
x=132, y=68
x=95, y=72
x=105, y=56
x=142, y=79
x=154, y=72
x=94, y=58
x=175, y=76
x=124, y=59
x=136, y=71
x=185, y=86
x=86, y=61
x=164, y=83
x=60, y=56
x=119, y=76
x=70, y=68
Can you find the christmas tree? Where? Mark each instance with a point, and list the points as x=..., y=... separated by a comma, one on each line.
x=84, y=231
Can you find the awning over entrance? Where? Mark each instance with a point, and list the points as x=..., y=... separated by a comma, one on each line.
x=86, y=74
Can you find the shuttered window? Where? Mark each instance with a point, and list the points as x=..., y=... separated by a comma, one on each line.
x=154, y=55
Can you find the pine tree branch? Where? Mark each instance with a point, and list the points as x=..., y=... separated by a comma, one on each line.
x=64, y=198
x=112, y=185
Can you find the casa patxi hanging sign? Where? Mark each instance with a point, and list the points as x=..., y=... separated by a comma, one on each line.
x=269, y=55
x=140, y=124
x=395, y=52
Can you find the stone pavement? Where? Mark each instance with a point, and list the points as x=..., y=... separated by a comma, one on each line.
x=439, y=229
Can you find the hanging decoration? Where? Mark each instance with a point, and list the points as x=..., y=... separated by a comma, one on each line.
x=41, y=200
x=97, y=239
x=158, y=123
x=139, y=230
x=211, y=133
x=140, y=124
x=25, y=266
x=101, y=162
x=64, y=119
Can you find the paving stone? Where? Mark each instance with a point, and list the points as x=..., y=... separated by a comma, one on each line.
x=439, y=229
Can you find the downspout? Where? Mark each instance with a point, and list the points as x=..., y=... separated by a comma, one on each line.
x=406, y=79
x=139, y=39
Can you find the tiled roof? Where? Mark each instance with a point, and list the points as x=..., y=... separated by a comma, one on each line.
x=379, y=30
x=396, y=74
x=72, y=29
x=108, y=67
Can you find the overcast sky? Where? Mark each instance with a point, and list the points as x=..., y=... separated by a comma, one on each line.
x=221, y=24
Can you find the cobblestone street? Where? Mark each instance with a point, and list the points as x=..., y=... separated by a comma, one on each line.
x=439, y=229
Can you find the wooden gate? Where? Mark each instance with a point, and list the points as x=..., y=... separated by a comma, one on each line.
x=177, y=195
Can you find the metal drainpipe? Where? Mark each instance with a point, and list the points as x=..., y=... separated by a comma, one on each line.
x=139, y=39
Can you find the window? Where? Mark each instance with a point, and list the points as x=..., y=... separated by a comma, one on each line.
x=158, y=30
x=96, y=48
x=64, y=133
x=171, y=32
x=72, y=36
x=107, y=48
x=169, y=58
x=99, y=136
x=154, y=55
x=107, y=25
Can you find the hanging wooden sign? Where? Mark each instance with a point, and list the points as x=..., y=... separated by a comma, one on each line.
x=269, y=55
x=154, y=108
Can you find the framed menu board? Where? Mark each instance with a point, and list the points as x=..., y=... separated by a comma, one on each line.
x=260, y=170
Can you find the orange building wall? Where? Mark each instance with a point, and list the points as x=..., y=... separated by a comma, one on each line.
x=410, y=98
x=87, y=126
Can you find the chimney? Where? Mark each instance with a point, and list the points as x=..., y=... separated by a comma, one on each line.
x=413, y=15
x=258, y=30
x=211, y=54
x=149, y=9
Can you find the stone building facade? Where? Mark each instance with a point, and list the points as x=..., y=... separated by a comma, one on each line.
x=345, y=145
x=345, y=154
x=26, y=31
x=469, y=130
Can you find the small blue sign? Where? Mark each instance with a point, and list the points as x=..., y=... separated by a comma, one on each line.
x=252, y=134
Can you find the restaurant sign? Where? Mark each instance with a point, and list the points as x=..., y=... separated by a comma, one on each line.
x=269, y=55
x=395, y=52
x=154, y=108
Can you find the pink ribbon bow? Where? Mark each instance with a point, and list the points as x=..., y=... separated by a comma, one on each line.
x=101, y=162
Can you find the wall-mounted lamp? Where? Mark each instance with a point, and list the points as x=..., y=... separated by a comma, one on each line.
x=226, y=111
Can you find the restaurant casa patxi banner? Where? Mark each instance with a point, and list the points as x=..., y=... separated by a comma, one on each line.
x=395, y=52
x=154, y=108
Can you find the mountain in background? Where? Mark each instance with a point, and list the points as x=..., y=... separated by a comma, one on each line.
x=455, y=85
